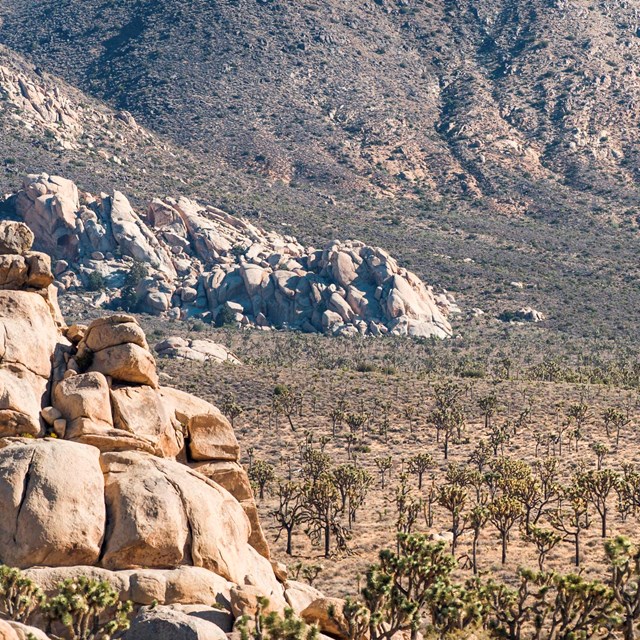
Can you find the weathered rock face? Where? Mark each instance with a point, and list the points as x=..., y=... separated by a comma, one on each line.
x=50, y=516
x=140, y=485
x=206, y=263
x=30, y=335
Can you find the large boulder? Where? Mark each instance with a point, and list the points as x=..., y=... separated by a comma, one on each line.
x=113, y=331
x=169, y=623
x=141, y=411
x=162, y=514
x=52, y=504
x=328, y=614
x=15, y=237
x=126, y=363
x=210, y=434
x=300, y=595
x=83, y=400
x=28, y=347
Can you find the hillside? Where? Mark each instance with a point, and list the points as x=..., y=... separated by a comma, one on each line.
x=523, y=104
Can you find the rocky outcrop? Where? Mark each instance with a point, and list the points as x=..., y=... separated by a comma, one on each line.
x=121, y=480
x=203, y=262
x=196, y=350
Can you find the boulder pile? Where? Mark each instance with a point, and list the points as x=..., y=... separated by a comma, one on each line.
x=203, y=262
x=105, y=473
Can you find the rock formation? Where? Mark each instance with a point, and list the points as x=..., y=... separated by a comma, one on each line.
x=198, y=350
x=205, y=263
x=105, y=473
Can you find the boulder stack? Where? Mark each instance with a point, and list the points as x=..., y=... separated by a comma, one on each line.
x=202, y=262
x=105, y=473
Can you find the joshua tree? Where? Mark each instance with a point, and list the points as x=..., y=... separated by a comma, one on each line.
x=409, y=412
x=399, y=587
x=88, y=609
x=274, y=626
x=315, y=464
x=504, y=512
x=337, y=417
x=322, y=511
x=544, y=540
x=352, y=484
x=356, y=421
x=420, y=464
x=408, y=506
x=488, y=405
x=384, y=464
x=624, y=558
x=477, y=520
x=596, y=487
x=579, y=412
x=480, y=455
x=572, y=518
x=261, y=474
x=288, y=514
x=601, y=450
x=454, y=498
x=230, y=408
x=447, y=415
x=20, y=597
x=286, y=401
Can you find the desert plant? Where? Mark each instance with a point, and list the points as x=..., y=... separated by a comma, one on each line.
x=89, y=609
x=20, y=597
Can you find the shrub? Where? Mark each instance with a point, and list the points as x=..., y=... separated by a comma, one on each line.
x=19, y=596
x=95, y=281
x=89, y=609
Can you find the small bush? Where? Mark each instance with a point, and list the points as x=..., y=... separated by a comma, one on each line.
x=95, y=281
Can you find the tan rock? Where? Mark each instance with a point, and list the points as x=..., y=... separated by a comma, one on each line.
x=21, y=396
x=60, y=427
x=126, y=363
x=113, y=331
x=13, y=272
x=39, y=274
x=300, y=595
x=244, y=601
x=48, y=578
x=26, y=632
x=30, y=333
x=328, y=614
x=168, y=623
x=83, y=400
x=76, y=332
x=7, y=632
x=15, y=237
x=257, y=538
x=210, y=434
x=280, y=570
x=163, y=514
x=140, y=410
x=51, y=500
x=344, y=271
x=50, y=415
x=195, y=585
x=229, y=475
x=222, y=618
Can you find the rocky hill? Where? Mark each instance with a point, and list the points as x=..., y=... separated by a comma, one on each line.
x=574, y=238
x=157, y=504
x=199, y=261
x=512, y=100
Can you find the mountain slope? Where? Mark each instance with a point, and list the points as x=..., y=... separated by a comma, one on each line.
x=564, y=254
x=524, y=103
